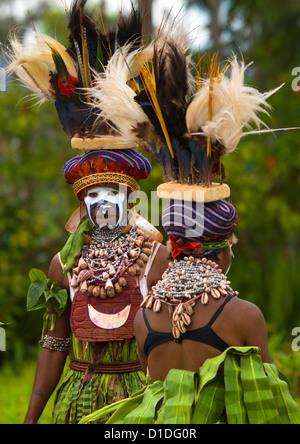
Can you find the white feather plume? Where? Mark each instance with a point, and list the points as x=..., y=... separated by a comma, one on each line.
x=32, y=69
x=33, y=64
x=114, y=98
x=45, y=45
x=235, y=107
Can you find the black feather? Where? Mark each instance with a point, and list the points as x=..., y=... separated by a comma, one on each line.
x=84, y=28
x=190, y=163
x=170, y=69
x=75, y=35
x=143, y=100
x=171, y=79
x=101, y=45
x=129, y=28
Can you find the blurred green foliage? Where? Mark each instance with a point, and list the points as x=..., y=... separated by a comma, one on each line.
x=15, y=397
x=263, y=175
x=35, y=204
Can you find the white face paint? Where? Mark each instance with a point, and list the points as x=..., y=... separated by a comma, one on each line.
x=110, y=205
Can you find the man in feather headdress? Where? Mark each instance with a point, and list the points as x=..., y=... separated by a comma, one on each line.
x=106, y=264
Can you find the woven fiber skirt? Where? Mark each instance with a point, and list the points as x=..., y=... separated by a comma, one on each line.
x=74, y=400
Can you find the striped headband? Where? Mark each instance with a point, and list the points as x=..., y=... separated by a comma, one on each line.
x=209, y=224
x=106, y=166
x=129, y=158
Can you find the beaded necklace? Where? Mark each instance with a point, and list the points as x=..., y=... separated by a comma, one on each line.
x=100, y=269
x=182, y=285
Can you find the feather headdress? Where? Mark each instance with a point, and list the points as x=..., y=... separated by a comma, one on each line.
x=53, y=72
x=34, y=65
x=187, y=132
x=224, y=107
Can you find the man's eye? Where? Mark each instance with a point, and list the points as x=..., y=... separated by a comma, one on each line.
x=113, y=193
x=93, y=195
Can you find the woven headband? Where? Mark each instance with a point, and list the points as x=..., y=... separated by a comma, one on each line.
x=98, y=178
x=217, y=245
x=204, y=246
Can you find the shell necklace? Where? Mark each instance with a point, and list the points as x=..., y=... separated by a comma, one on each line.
x=100, y=268
x=182, y=285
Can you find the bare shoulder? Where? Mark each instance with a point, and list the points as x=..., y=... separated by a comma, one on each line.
x=250, y=325
x=159, y=265
x=56, y=273
x=246, y=312
x=162, y=253
x=249, y=322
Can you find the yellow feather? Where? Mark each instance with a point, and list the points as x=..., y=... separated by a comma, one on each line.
x=85, y=58
x=32, y=66
x=224, y=106
x=149, y=80
x=58, y=47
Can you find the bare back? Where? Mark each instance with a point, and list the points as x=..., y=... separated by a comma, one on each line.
x=239, y=323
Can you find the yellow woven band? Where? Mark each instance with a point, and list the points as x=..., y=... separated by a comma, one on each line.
x=98, y=178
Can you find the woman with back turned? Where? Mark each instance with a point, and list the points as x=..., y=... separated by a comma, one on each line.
x=204, y=349
x=199, y=315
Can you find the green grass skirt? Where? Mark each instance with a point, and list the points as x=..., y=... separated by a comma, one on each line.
x=74, y=401
x=233, y=388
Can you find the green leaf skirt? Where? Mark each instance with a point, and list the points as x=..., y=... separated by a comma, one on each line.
x=246, y=392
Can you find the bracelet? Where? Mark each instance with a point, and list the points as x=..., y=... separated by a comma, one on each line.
x=56, y=344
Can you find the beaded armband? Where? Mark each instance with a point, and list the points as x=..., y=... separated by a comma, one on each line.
x=56, y=344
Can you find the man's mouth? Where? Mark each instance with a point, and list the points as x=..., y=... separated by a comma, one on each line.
x=108, y=321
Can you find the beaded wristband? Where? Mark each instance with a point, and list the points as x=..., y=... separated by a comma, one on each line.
x=56, y=344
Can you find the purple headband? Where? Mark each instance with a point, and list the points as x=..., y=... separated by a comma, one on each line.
x=206, y=223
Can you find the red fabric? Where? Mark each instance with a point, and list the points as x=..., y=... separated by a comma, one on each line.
x=85, y=330
x=177, y=248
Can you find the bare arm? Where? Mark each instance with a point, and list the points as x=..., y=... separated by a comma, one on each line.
x=257, y=333
x=51, y=363
x=140, y=338
x=159, y=265
x=250, y=326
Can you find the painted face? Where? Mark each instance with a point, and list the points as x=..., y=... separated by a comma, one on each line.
x=107, y=206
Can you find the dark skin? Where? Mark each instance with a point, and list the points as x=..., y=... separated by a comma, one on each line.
x=240, y=324
x=51, y=363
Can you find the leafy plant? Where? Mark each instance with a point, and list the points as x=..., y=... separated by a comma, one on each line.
x=42, y=293
x=74, y=243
